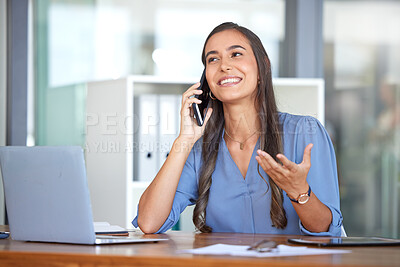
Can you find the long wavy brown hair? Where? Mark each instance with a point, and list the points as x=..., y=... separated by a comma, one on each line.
x=270, y=138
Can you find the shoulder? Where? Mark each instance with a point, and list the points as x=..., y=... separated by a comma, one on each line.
x=299, y=124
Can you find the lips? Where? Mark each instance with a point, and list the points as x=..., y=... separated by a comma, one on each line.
x=226, y=81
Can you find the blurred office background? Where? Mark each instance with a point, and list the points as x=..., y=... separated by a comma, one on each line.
x=357, y=52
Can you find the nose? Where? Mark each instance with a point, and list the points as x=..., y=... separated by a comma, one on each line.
x=225, y=65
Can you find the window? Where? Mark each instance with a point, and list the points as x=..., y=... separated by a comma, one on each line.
x=362, y=72
x=79, y=41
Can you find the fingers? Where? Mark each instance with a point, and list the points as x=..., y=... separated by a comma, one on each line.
x=188, y=99
x=193, y=87
x=186, y=107
x=290, y=176
x=264, y=164
x=307, y=154
x=269, y=165
x=291, y=166
x=208, y=115
x=191, y=113
x=189, y=93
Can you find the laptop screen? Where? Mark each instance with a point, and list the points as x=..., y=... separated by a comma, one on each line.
x=47, y=196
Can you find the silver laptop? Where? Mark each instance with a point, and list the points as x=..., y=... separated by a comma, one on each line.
x=47, y=196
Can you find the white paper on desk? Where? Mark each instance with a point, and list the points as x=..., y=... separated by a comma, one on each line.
x=105, y=227
x=281, y=250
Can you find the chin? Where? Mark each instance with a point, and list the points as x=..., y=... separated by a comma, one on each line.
x=231, y=99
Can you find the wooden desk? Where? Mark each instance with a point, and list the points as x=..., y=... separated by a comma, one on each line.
x=17, y=253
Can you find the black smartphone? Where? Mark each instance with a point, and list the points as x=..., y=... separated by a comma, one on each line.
x=200, y=111
x=344, y=241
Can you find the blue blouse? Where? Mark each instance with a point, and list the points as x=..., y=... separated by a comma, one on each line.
x=243, y=205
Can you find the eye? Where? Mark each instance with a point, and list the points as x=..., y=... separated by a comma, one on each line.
x=236, y=54
x=211, y=59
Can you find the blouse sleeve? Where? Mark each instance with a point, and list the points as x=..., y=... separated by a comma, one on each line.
x=186, y=193
x=322, y=177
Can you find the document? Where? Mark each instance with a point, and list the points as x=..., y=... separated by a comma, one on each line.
x=104, y=228
x=169, y=125
x=279, y=251
x=146, y=124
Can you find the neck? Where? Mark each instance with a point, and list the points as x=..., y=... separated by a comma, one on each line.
x=241, y=121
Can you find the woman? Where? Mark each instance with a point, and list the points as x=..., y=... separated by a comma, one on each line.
x=248, y=168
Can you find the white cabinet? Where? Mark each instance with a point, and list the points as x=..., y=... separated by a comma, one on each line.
x=116, y=179
x=125, y=144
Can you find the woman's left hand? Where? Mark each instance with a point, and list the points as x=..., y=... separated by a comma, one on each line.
x=289, y=176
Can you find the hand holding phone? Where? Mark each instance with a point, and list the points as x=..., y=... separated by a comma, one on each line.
x=200, y=110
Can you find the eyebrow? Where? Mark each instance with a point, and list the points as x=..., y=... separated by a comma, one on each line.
x=228, y=49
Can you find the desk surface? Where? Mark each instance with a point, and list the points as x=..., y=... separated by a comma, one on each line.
x=17, y=253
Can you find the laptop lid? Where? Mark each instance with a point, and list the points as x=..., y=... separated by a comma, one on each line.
x=47, y=196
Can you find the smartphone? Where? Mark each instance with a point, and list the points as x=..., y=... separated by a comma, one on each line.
x=345, y=241
x=200, y=111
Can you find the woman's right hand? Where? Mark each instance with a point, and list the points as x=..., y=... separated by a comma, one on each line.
x=190, y=130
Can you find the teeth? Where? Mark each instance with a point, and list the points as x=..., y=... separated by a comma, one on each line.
x=230, y=80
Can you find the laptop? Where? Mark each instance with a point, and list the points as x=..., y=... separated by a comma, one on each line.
x=47, y=196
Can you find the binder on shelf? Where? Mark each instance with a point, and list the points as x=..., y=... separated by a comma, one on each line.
x=169, y=124
x=146, y=123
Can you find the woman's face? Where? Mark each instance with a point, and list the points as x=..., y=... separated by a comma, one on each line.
x=231, y=67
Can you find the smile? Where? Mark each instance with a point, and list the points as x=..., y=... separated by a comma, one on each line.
x=229, y=81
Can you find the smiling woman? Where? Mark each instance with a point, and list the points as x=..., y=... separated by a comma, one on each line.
x=232, y=53
x=237, y=166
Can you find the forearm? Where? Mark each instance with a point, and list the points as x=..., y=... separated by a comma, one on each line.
x=314, y=215
x=156, y=202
